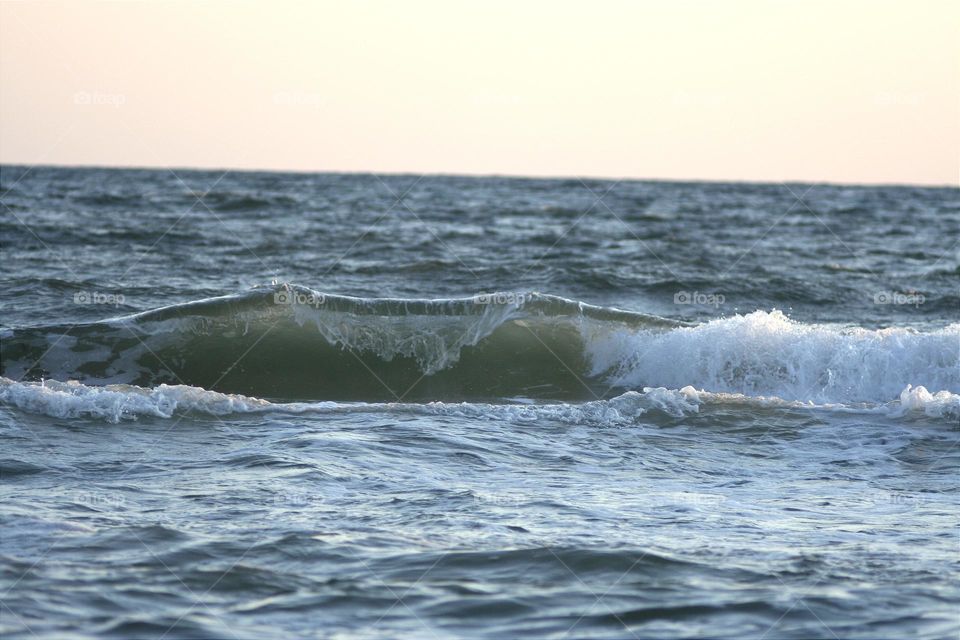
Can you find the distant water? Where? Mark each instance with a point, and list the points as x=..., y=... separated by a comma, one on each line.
x=252, y=405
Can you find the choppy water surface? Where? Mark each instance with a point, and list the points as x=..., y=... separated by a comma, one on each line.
x=247, y=405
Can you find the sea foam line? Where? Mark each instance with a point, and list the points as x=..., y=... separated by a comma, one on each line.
x=115, y=403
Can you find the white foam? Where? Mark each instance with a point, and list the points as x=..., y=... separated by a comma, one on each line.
x=114, y=403
x=936, y=405
x=767, y=354
x=621, y=410
x=118, y=402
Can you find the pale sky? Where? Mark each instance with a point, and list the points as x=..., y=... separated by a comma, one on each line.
x=863, y=92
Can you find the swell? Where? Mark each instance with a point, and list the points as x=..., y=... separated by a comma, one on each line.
x=291, y=343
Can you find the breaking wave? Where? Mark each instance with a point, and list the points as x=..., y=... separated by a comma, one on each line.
x=289, y=343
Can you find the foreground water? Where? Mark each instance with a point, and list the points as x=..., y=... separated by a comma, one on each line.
x=732, y=412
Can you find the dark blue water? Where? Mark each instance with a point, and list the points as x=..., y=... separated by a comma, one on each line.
x=243, y=405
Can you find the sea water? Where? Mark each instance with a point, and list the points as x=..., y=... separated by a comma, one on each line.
x=244, y=405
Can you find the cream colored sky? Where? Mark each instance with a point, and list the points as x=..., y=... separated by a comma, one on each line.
x=742, y=90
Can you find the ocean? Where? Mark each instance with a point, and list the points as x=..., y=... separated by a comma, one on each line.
x=253, y=404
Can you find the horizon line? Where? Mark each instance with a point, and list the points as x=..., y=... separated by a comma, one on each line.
x=454, y=174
